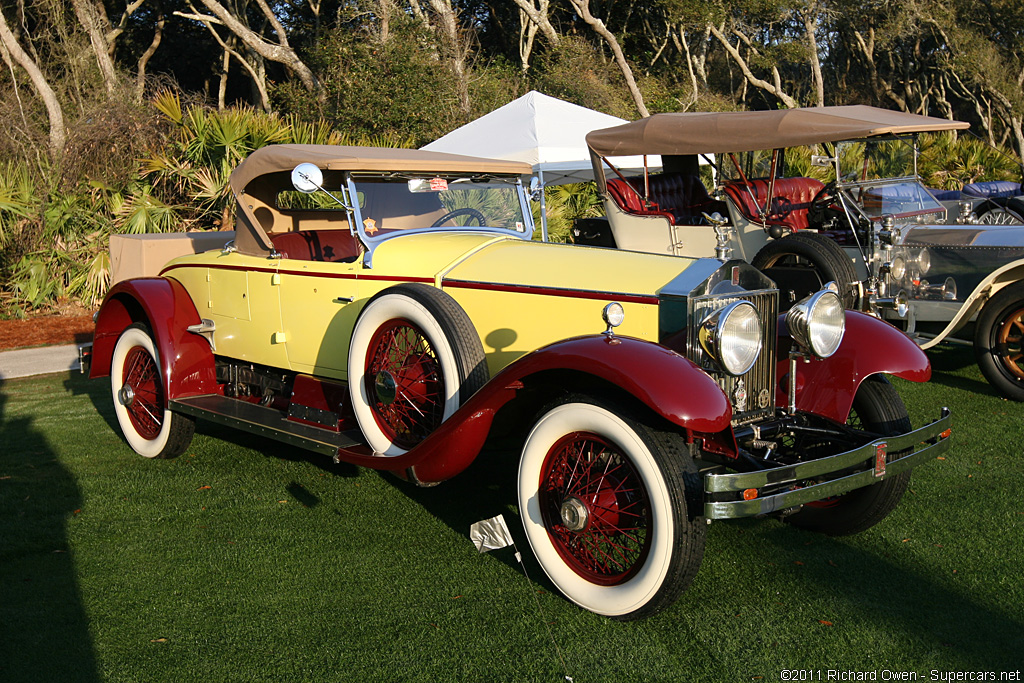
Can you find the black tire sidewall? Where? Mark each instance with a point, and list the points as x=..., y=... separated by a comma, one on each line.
x=881, y=410
x=825, y=256
x=992, y=315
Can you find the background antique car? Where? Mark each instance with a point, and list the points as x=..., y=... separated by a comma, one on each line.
x=386, y=322
x=897, y=251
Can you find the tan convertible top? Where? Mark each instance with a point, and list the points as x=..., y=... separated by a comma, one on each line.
x=747, y=131
x=257, y=180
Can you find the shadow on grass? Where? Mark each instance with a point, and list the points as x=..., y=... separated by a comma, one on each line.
x=98, y=391
x=948, y=365
x=44, y=631
x=866, y=584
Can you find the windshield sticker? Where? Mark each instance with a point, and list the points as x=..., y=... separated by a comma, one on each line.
x=438, y=184
x=370, y=226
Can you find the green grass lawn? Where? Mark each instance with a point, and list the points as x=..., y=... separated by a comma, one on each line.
x=247, y=561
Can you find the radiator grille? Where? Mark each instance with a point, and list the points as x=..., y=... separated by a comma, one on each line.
x=759, y=381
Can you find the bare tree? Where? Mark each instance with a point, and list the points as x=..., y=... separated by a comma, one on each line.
x=775, y=87
x=140, y=78
x=582, y=8
x=13, y=50
x=533, y=16
x=89, y=18
x=456, y=48
x=279, y=52
x=809, y=17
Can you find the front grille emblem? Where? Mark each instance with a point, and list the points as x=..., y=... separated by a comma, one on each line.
x=739, y=396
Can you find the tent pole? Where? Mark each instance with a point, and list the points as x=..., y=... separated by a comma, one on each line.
x=543, y=208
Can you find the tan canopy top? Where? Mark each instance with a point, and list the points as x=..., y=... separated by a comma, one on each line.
x=257, y=180
x=747, y=131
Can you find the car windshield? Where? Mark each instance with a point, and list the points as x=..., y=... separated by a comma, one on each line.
x=900, y=198
x=877, y=159
x=388, y=205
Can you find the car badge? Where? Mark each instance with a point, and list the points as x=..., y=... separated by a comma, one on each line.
x=763, y=398
x=736, y=275
x=739, y=396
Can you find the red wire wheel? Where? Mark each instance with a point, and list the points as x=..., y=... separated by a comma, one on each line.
x=595, y=508
x=142, y=381
x=404, y=382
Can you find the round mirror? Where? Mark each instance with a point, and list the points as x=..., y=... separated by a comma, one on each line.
x=307, y=178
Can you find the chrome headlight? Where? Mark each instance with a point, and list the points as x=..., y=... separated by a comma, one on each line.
x=817, y=323
x=732, y=337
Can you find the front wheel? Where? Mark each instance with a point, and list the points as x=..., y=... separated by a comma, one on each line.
x=140, y=401
x=877, y=408
x=611, y=509
x=999, y=341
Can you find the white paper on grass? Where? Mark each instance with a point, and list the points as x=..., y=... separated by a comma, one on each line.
x=490, y=534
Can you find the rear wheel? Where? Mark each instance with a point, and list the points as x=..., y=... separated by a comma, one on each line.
x=877, y=408
x=140, y=401
x=611, y=509
x=802, y=262
x=999, y=341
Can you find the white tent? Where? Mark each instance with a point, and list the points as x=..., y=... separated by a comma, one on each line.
x=545, y=132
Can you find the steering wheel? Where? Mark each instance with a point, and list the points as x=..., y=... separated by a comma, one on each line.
x=821, y=204
x=472, y=213
x=824, y=197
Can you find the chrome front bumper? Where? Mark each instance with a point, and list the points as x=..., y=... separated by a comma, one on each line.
x=749, y=494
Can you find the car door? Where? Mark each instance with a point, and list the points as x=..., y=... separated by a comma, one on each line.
x=318, y=311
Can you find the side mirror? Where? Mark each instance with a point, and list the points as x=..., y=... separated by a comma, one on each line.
x=535, y=189
x=307, y=178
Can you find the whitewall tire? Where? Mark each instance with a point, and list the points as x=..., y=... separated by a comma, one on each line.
x=140, y=401
x=604, y=504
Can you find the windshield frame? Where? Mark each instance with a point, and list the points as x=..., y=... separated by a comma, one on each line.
x=355, y=179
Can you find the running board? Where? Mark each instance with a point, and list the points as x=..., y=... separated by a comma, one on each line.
x=257, y=419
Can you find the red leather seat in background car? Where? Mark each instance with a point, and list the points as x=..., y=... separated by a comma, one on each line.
x=796, y=195
x=680, y=197
x=318, y=245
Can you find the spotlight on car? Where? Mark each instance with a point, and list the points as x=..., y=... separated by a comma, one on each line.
x=817, y=323
x=896, y=269
x=732, y=337
x=613, y=316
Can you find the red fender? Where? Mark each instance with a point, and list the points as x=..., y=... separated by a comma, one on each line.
x=666, y=382
x=187, y=359
x=869, y=347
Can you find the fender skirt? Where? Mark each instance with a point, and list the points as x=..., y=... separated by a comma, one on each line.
x=163, y=304
x=669, y=384
x=870, y=346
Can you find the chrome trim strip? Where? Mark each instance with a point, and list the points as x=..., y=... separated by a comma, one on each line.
x=928, y=436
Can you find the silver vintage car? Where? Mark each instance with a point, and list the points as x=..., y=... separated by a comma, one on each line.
x=936, y=266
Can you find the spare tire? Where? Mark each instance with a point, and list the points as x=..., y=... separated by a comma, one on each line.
x=802, y=262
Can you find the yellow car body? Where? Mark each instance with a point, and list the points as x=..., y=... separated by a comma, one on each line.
x=520, y=296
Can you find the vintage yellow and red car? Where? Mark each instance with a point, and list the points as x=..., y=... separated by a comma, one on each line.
x=381, y=306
